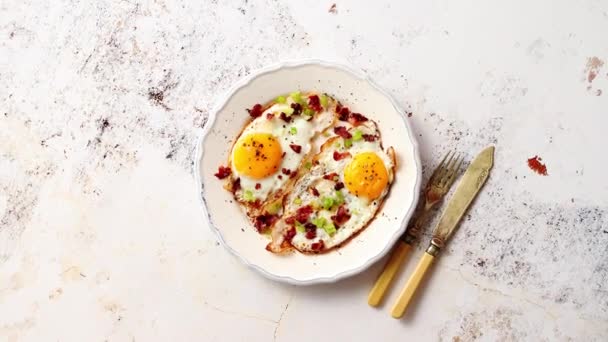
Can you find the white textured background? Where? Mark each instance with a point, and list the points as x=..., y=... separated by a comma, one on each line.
x=101, y=103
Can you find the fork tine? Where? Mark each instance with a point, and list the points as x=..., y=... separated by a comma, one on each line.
x=455, y=170
x=450, y=170
x=445, y=168
x=440, y=166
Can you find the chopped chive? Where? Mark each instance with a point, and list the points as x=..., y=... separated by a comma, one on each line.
x=287, y=110
x=297, y=201
x=293, y=131
x=274, y=208
x=309, y=112
x=280, y=99
x=248, y=196
x=348, y=143
x=300, y=227
x=324, y=101
x=339, y=198
x=296, y=96
x=357, y=135
x=308, y=165
x=329, y=228
x=319, y=222
x=327, y=202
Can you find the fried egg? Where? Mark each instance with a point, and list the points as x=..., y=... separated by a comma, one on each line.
x=268, y=153
x=341, y=194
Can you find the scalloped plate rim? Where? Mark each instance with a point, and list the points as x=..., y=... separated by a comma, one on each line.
x=199, y=150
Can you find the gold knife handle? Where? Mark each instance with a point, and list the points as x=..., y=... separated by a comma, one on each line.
x=388, y=273
x=408, y=291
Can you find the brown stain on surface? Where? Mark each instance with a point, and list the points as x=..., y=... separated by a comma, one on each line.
x=72, y=273
x=592, y=71
x=56, y=293
x=594, y=65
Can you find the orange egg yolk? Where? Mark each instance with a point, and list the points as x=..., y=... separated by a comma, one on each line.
x=257, y=155
x=366, y=175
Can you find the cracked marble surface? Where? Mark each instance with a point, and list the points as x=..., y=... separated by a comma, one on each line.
x=101, y=233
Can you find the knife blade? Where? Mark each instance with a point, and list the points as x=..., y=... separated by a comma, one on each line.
x=471, y=182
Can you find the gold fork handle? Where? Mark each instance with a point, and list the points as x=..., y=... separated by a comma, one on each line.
x=398, y=255
x=412, y=284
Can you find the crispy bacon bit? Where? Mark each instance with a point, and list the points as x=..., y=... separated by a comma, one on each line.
x=284, y=117
x=264, y=221
x=283, y=154
x=258, y=186
x=311, y=231
x=317, y=246
x=280, y=177
x=333, y=9
x=315, y=103
x=296, y=148
x=255, y=111
x=303, y=213
x=290, y=220
x=343, y=132
x=256, y=204
x=340, y=156
x=343, y=113
x=297, y=108
x=314, y=191
x=339, y=186
x=269, y=116
x=356, y=119
x=286, y=171
x=331, y=176
x=236, y=185
x=223, y=172
x=289, y=234
x=369, y=137
x=342, y=215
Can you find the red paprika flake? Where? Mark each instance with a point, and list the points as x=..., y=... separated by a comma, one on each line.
x=535, y=165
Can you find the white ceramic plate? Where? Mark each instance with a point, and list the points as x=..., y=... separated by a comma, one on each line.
x=230, y=223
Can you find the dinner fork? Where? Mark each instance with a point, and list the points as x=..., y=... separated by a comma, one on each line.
x=438, y=185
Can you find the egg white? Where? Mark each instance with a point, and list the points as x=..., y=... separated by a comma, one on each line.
x=361, y=209
x=304, y=132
